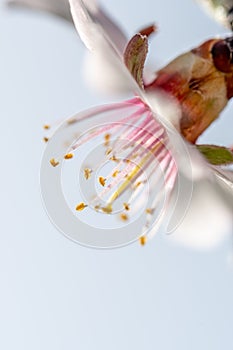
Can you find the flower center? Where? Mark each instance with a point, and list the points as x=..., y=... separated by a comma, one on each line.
x=126, y=169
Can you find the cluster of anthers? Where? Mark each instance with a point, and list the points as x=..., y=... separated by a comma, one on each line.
x=139, y=167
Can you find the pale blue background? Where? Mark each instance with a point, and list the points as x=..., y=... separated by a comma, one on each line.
x=55, y=294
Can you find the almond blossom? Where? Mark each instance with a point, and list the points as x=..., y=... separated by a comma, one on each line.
x=150, y=140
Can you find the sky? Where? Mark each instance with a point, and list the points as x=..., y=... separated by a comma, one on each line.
x=56, y=294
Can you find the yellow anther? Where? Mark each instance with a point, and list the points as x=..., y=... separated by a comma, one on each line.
x=130, y=176
x=135, y=155
x=124, y=185
x=46, y=126
x=102, y=180
x=142, y=240
x=108, y=151
x=45, y=139
x=126, y=206
x=68, y=156
x=107, y=209
x=149, y=211
x=137, y=184
x=87, y=173
x=71, y=121
x=124, y=217
x=107, y=137
x=114, y=159
x=116, y=172
x=54, y=162
x=81, y=206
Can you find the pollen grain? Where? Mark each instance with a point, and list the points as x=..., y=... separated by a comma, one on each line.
x=81, y=206
x=107, y=209
x=102, y=180
x=142, y=240
x=108, y=151
x=149, y=211
x=107, y=139
x=115, y=173
x=54, y=162
x=114, y=159
x=126, y=206
x=87, y=173
x=124, y=217
x=68, y=156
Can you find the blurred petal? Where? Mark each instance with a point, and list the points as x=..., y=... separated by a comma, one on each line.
x=220, y=10
x=105, y=75
x=209, y=218
x=168, y=110
x=62, y=8
x=91, y=22
x=87, y=13
x=57, y=7
x=225, y=177
x=202, y=212
x=106, y=41
x=166, y=107
x=200, y=168
x=114, y=32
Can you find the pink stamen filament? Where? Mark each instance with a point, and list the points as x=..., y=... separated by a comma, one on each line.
x=150, y=148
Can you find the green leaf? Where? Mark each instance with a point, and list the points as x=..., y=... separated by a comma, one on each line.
x=216, y=155
x=135, y=56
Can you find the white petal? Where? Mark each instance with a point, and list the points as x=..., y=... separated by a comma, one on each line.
x=200, y=168
x=90, y=30
x=113, y=31
x=209, y=218
x=189, y=160
x=165, y=107
x=56, y=7
x=225, y=178
x=105, y=75
x=103, y=38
